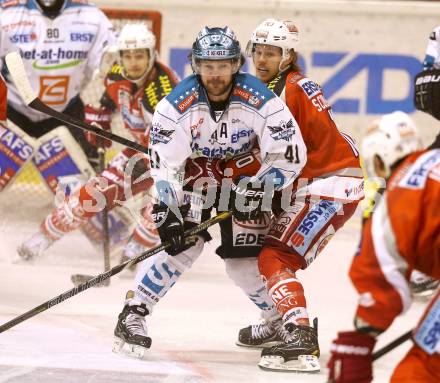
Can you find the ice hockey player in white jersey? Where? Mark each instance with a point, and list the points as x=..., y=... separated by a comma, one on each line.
x=216, y=113
x=61, y=43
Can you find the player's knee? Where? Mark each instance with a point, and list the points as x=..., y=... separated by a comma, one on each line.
x=273, y=259
x=244, y=272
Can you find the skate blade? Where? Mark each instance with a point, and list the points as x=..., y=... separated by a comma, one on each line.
x=130, y=350
x=304, y=363
x=258, y=346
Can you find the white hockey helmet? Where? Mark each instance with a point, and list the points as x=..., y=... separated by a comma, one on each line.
x=279, y=33
x=391, y=138
x=137, y=36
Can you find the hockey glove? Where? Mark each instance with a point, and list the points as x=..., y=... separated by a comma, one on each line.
x=100, y=118
x=247, y=200
x=351, y=358
x=427, y=92
x=170, y=227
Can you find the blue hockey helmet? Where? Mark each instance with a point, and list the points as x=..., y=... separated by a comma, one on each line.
x=216, y=44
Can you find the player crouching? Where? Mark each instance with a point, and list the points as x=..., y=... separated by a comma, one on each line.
x=133, y=88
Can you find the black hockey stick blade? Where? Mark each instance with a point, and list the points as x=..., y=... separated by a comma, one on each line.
x=15, y=65
x=391, y=346
x=102, y=277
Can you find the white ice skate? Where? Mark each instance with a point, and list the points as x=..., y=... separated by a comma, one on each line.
x=33, y=247
x=423, y=286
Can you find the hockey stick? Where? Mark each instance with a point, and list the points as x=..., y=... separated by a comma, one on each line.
x=391, y=346
x=16, y=68
x=102, y=277
x=77, y=279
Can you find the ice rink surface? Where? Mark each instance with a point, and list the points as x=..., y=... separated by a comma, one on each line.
x=193, y=328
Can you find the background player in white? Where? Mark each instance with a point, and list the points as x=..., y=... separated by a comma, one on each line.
x=217, y=113
x=125, y=92
x=61, y=43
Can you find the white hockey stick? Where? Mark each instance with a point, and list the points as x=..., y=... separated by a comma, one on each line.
x=16, y=68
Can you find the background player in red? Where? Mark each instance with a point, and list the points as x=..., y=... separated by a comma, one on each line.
x=401, y=235
x=324, y=198
x=126, y=86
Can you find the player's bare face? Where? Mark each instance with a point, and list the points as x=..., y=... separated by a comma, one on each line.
x=135, y=62
x=267, y=60
x=216, y=77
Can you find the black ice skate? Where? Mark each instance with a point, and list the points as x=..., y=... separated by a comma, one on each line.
x=299, y=353
x=268, y=333
x=131, y=332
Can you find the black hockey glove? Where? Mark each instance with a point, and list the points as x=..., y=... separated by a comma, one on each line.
x=247, y=200
x=170, y=227
x=427, y=92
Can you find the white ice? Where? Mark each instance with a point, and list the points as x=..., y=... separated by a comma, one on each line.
x=193, y=328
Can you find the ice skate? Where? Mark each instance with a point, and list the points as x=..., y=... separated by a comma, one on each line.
x=269, y=332
x=131, y=330
x=423, y=286
x=299, y=353
x=33, y=247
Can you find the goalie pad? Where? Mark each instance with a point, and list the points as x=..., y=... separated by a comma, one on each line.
x=61, y=162
x=16, y=149
x=427, y=92
x=64, y=168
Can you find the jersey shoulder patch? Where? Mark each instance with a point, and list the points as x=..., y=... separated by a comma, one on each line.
x=185, y=94
x=416, y=175
x=250, y=91
x=308, y=86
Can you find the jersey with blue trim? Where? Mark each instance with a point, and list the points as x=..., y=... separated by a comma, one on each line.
x=60, y=54
x=185, y=126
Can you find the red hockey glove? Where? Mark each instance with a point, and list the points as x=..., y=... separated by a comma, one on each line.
x=100, y=118
x=351, y=358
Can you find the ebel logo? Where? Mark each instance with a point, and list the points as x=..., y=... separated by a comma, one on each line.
x=23, y=38
x=82, y=37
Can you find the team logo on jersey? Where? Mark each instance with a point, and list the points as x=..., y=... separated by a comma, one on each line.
x=53, y=89
x=283, y=131
x=160, y=135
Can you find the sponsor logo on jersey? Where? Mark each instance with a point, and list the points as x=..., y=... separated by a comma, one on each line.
x=195, y=132
x=186, y=103
x=247, y=96
x=283, y=131
x=23, y=38
x=23, y=23
x=53, y=89
x=82, y=37
x=416, y=177
x=160, y=135
x=223, y=152
x=261, y=223
x=48, y=59
x=235, y=137
x=310, y=88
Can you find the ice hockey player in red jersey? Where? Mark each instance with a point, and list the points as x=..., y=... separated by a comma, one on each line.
x=133, y=88
x=401, y=235
x=324, y=198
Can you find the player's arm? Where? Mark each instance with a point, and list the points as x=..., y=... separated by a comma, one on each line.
x=283, y=151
